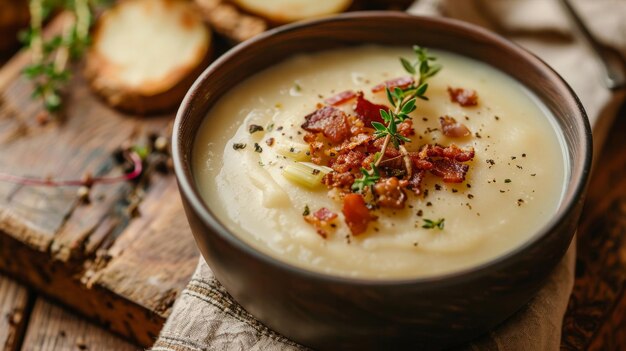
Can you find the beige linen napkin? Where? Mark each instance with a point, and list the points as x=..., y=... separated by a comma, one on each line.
x=206, y=318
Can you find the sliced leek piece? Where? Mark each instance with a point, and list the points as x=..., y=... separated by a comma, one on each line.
x=304, y=175
x=294, y=151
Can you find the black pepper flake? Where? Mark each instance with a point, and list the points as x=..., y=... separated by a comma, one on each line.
x=420, y=213
x=429, y=203
x=520, y=167
x=507, y=180
x=534, y=174
x=415, y=244
x=497, y=118
x=491, y=162
x=255, y=128
x=239, y=146
x=306, y=211
x=523, y=155
x=477, y=135
x=437, y=187
x=469, y=185
x=315, y=172
x=470, y=196
x=502, y=191
x=454, y=190
x=520, y=202
x=279, y=128
x=376, y=229
x=424, y=119
x=466, y=118
x=257, y=148
x=513, y=157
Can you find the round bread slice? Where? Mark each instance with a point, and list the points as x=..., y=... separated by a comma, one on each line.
x=146, y=54
x=285, y=11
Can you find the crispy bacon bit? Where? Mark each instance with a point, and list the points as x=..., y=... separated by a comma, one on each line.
x=330, y=121
x=451, y=152
x=377, y=145
x=367, y=111
x=415, y=182
x=450, y=170
x=401, y=82
x=341, y=98
x=405, y=128
x=464, y=97
x=390, y=194
x=353, y=143
x=338, y=180
x=356, y=213
x=324, y=214
x=419, y=164
x=453, y=129
x=321, y=220
x=348, y=161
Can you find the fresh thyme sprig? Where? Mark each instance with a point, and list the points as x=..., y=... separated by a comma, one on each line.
x=368, y=179
x=404, y=102
x=49, y=58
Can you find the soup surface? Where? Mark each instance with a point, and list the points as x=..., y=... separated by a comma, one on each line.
x=513, y=185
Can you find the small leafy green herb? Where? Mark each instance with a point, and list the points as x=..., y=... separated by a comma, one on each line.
x=270, y=127
x=255, y=128
x=368, y=179
x=431, y=224
x=306, y=211
x=403, y=101
x=49, y=58
x=239, y=146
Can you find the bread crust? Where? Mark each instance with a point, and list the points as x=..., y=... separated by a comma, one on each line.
x=286, y=14
x=150, y=96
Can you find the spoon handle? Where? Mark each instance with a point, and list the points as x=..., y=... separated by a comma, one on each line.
x=612, y=61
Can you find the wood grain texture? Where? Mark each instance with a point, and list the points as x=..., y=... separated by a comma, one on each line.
x=14, y=310
x=596, y=316
x=52, y=328
x=97, y=258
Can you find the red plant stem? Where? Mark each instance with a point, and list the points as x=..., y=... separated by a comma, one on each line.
x=137, y=169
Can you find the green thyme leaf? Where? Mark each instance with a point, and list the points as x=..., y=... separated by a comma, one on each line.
x=407, y=65
x=431, y=224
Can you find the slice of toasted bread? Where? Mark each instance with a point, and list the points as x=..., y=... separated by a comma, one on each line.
x=285, y=11
x=146, y=53
x=229, y=21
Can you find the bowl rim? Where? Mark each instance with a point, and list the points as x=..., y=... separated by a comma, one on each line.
x=188, y=190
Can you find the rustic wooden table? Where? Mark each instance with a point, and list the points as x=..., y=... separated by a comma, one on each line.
x=123, y=273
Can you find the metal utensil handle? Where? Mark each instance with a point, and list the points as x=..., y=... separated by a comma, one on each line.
x=612, y=61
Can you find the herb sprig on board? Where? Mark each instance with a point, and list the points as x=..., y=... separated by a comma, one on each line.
x=50, y=57
x=403, y=102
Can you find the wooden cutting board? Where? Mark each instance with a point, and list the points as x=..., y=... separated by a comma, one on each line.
x=125, y=272
x=121, y=270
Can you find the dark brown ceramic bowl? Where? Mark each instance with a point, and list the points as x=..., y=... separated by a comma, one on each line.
x=329, y=312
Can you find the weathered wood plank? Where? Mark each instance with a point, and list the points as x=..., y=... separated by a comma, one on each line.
x=14, y=309
x=155, y=254
x=53, y=242
x=53, y=328
x=595, y=318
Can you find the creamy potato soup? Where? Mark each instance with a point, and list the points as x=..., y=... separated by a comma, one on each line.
x=268, y=163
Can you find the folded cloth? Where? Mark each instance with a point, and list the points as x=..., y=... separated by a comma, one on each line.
x=205, y=317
